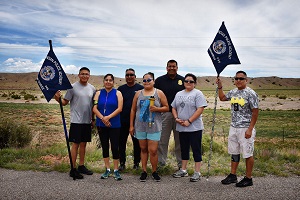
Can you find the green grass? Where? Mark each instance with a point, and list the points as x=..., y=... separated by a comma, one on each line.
x=276, y=148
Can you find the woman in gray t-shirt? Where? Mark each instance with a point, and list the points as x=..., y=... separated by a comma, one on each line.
x=187, y=109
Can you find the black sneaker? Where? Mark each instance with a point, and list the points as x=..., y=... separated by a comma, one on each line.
x=83, y=170
x=244, y=182
x=155, y=176
x=136, y=166
x=122, y=167
x=143, y=176
x=231, y=178
x=75, y=174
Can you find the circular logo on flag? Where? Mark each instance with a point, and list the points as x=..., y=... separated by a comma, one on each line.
x=47, y=73
x=219, y=46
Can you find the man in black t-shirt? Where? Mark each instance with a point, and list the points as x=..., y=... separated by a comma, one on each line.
x=128, y=91
x=170, y=84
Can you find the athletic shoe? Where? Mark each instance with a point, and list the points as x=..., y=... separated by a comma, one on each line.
x=244, y=182
x=75, y=174
x=105, y=175
x=83, y=170
x=117, y=175
x=143, y=176
x=155, y=176
x=195, y=177
x=180, y=174
x=136, y=166
x=231, y=178
x=122, y=167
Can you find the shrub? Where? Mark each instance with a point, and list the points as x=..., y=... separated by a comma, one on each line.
x=14, y=134
x=282, y=97
x=15, y=96
x=29, y=96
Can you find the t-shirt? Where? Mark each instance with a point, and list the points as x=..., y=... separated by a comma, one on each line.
x=186, y=104
x=107, y=104
x=81, y=102
x=169, y=86
x=128, y=94
x=242, y=102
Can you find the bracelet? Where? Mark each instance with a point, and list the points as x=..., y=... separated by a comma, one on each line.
x=189, y=121
x=220, y=88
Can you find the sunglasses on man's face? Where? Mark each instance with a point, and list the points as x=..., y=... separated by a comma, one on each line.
x=189, y=81
x=239, y=78
x=147, y=80
x=130, y=74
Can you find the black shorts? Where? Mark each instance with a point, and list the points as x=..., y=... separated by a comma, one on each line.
x=80, y=133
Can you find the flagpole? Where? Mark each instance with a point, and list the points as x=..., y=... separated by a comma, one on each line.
x=212, y=132
x=66, y=134
x=64, y=124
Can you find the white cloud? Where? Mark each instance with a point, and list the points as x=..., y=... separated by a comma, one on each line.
x=145, y=34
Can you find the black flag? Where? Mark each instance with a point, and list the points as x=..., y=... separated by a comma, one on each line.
x=52, y=77
x=222, y=51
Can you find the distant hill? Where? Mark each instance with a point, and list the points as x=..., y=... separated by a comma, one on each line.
x=27, y=81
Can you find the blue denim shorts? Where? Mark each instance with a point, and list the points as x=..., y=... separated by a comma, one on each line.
x=148, y=136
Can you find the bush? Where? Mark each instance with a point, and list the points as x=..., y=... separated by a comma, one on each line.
x=15, y=96
x=29, y=96
x=14, y=134
x=282, y=97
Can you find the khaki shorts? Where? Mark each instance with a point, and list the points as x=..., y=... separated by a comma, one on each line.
x=238, y=144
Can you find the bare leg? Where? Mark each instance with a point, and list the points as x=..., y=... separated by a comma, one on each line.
x=184, y=164
x=152, y=149
x=197, y=166
x=82, y=147
x=249, y=166
x=234, y=166
x=74, y=152
x=144, y=153
x=106, y=162
x=116, y=164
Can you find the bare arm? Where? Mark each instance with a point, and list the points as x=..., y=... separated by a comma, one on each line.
x=252, y=122
x=221, y=93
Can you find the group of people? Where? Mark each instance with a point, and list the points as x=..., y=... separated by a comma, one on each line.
x=150, y=113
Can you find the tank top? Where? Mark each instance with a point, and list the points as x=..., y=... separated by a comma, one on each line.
x=107, y=104
x=143, y=125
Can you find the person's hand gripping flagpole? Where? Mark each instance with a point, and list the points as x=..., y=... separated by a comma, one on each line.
x=52, y=78
x=222, y=53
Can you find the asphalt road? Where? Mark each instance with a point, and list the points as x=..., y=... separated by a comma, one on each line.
x=54, y=185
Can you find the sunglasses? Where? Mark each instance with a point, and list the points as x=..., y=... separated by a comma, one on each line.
x=147, y=80
x=239, y=78
x=130, y=74
x=189, y=81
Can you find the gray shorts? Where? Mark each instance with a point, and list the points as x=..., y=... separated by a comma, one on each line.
x=237, y=143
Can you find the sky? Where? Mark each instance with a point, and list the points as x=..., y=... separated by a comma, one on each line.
x=109, y=36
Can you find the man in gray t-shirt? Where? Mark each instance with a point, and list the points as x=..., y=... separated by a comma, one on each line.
x=81, y=117
x=244, y=114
